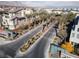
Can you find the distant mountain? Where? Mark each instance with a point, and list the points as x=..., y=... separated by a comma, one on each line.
x=41, y=4
x=62, y=6
x=10, y=3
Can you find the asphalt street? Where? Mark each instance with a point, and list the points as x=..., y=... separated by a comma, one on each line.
x=11, y=48
x=41, y=47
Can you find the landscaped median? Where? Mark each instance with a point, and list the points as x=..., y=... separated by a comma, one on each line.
x=30, y=42
x=25, y=49
x=34, y=38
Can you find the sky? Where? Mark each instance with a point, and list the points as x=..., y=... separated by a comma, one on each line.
x=45, y=4
x=52, y=3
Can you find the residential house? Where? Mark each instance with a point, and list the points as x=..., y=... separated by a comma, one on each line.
x=15, y=13
x=75, y=11
x=7, y=23
x=57, y=11
x=49, y=10
x=18, y=21
x=28, y=11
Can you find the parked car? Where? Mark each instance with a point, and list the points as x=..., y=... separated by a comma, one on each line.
x=8, y=35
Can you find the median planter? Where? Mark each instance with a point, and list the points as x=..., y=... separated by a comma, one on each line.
x=33, y=39
x=30, y=42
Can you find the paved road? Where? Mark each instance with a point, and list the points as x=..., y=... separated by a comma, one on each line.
x=11, y=48
x=41, y=48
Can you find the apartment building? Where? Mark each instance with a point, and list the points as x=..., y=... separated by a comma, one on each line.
x=74, y=36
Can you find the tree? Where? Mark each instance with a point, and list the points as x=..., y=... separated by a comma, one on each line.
x=68, y=46
x=70, y=16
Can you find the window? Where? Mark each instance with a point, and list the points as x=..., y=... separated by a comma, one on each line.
x=78, y=29
x=73, y=34
x=4, y=23
x=6, y=16
x=77, y=35
x=72, y=43
x=9, y=34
